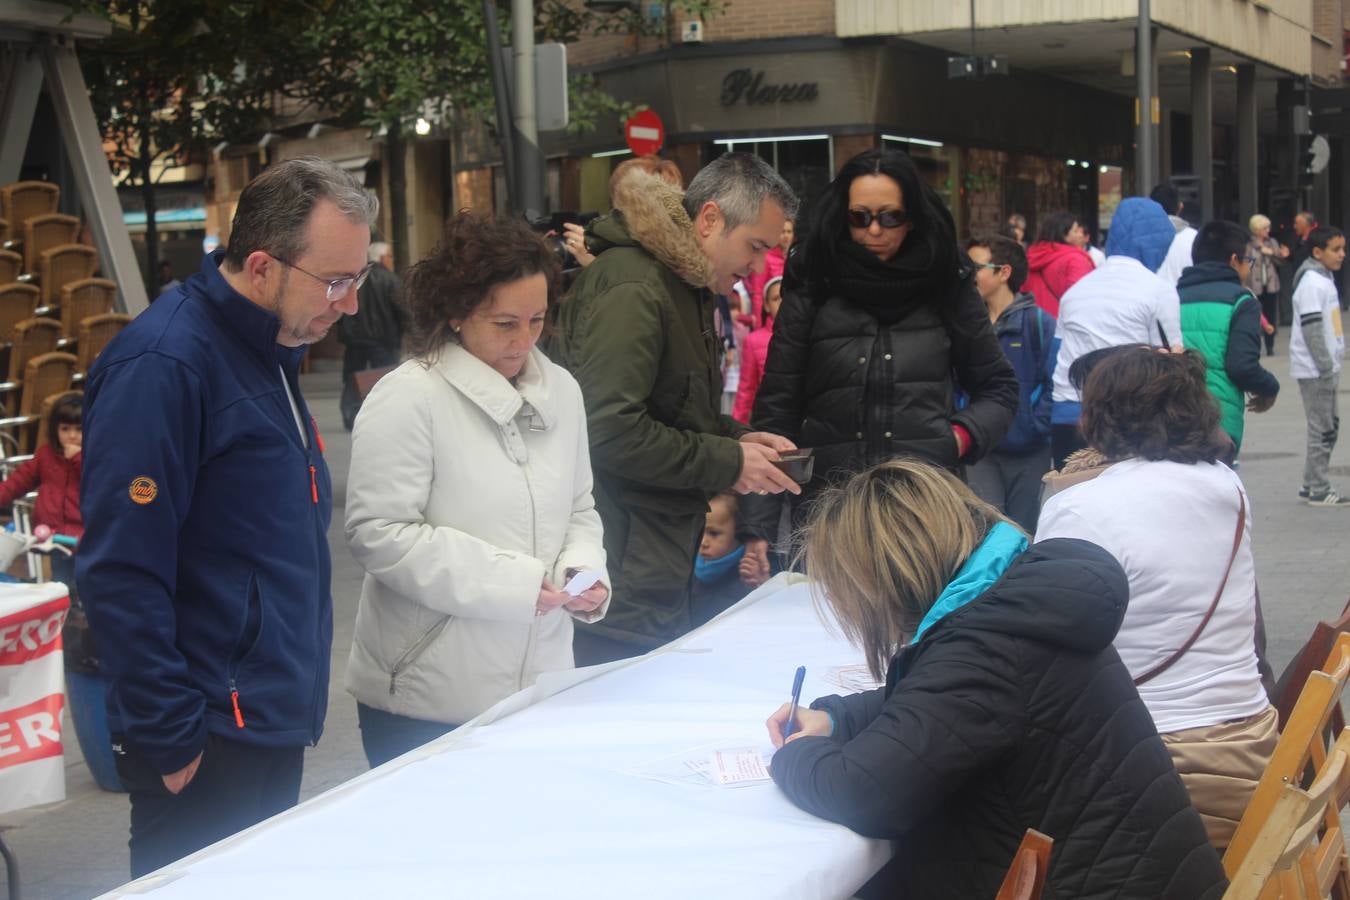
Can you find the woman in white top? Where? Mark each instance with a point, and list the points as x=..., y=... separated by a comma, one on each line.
x=469, y=498
x=1178, y=522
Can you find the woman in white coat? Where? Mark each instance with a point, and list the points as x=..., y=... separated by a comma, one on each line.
x=469, y=498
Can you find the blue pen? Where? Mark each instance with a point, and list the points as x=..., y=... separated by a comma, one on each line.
x=796, y=698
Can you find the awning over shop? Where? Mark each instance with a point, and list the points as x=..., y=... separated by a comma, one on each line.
x=192, y=218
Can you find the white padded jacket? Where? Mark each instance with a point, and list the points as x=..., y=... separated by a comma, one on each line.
x=465, y=493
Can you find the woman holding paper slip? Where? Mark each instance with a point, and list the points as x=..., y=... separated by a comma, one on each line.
x=469, y=498
x=1005, y=706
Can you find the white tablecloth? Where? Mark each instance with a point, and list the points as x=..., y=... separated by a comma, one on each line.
x=535, y=802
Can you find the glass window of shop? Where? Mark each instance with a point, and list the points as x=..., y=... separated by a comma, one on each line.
x=939, y=164
x=805, y=161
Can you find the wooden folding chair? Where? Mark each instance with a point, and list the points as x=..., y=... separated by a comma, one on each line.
x=32, y=337
x=1026, y=876
x=4, y=231
x=22, y=200
x=1303, y=743
x=45, y=375
x=45, y=232
x=82, y=299
x=96, y=332
x=11, y=266
x=62, y=264
x=1281, y=862
x=1313, y=654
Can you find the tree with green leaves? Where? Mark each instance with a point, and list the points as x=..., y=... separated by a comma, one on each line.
x=176, y=77
x=387, y=64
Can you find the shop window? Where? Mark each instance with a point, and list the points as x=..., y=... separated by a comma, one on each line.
x=1108, y=196
x=805, y=161
x=939, y=165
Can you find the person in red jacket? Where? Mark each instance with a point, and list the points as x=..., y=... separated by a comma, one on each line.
x=54, y=471
x=754, y=350
x=1054, y=262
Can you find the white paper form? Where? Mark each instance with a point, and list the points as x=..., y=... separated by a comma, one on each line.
x=738, y=767
x=581, y=582
x=709, y=766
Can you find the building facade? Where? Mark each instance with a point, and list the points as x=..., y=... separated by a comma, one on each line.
x=809, y=83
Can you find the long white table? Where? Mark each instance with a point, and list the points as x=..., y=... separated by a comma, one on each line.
x=532, y=799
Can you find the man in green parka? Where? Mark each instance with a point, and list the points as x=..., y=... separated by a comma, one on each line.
x=1221, y=319
x=637, y=332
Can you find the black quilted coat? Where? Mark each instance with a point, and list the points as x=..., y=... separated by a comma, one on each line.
x=1013, y=712
x=859, y=391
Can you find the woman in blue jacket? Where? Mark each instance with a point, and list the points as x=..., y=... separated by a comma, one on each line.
x=1005, y=706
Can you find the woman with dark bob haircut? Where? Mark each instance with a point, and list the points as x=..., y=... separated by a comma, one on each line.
x=469, y=497
x=879, y=310
x=1179, y=522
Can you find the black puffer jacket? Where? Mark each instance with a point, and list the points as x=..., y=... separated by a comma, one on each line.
x=859, y=392
x=1013, y=712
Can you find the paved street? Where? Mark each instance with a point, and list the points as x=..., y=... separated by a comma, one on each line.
x=77, y=848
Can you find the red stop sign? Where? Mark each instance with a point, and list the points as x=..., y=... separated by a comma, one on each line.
x=644, y=133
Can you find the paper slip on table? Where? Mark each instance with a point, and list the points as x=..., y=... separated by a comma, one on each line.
x=536, y=797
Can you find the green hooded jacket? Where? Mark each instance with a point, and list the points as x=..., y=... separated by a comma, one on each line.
x=1221, y=319
x=637, y=332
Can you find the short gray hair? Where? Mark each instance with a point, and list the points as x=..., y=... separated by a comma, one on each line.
x=739, y=183
x=274, y=208
x=377, y=251
x=1257, y=222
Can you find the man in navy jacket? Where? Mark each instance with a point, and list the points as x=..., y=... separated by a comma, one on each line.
x=205, y=566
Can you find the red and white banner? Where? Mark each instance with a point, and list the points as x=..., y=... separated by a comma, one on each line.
x=32, y=694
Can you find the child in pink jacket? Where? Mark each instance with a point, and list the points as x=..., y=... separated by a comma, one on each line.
x=754, y=351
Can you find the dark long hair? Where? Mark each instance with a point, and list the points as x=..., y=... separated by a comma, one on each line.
x=1055, y=227
x=815, y=263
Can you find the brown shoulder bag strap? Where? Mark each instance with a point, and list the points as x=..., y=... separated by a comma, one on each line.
x=1214, y=604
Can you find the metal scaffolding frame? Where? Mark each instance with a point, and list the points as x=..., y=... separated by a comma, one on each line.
x=37, y=47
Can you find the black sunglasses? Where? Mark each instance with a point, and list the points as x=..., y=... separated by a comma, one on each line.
x=887, y=218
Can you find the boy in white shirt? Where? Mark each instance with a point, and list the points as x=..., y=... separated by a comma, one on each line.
x=1316, y=346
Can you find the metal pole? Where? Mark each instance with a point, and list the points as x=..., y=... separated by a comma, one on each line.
x=528, y=157
x=1246, y=141
x=20, y=87
x=972, y=29
x=1202, y=128
x=98, y=197
x=502, y=96
x=1146, y=135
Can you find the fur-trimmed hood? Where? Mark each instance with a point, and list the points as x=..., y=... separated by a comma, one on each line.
x=649, y=212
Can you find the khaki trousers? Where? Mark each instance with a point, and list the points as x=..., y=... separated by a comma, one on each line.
x=1220, y=766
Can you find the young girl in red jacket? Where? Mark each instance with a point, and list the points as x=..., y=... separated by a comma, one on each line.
x=54, y=471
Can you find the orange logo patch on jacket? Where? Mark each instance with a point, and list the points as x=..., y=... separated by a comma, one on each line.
x=143, y=490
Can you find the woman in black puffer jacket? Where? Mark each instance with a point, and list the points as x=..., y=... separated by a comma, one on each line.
x=1005, y=706
x=880, y=327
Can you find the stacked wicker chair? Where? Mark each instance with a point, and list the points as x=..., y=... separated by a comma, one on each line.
x=56, y=315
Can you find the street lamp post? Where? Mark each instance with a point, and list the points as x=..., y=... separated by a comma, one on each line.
x=1146, y=135
x=530, y=177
